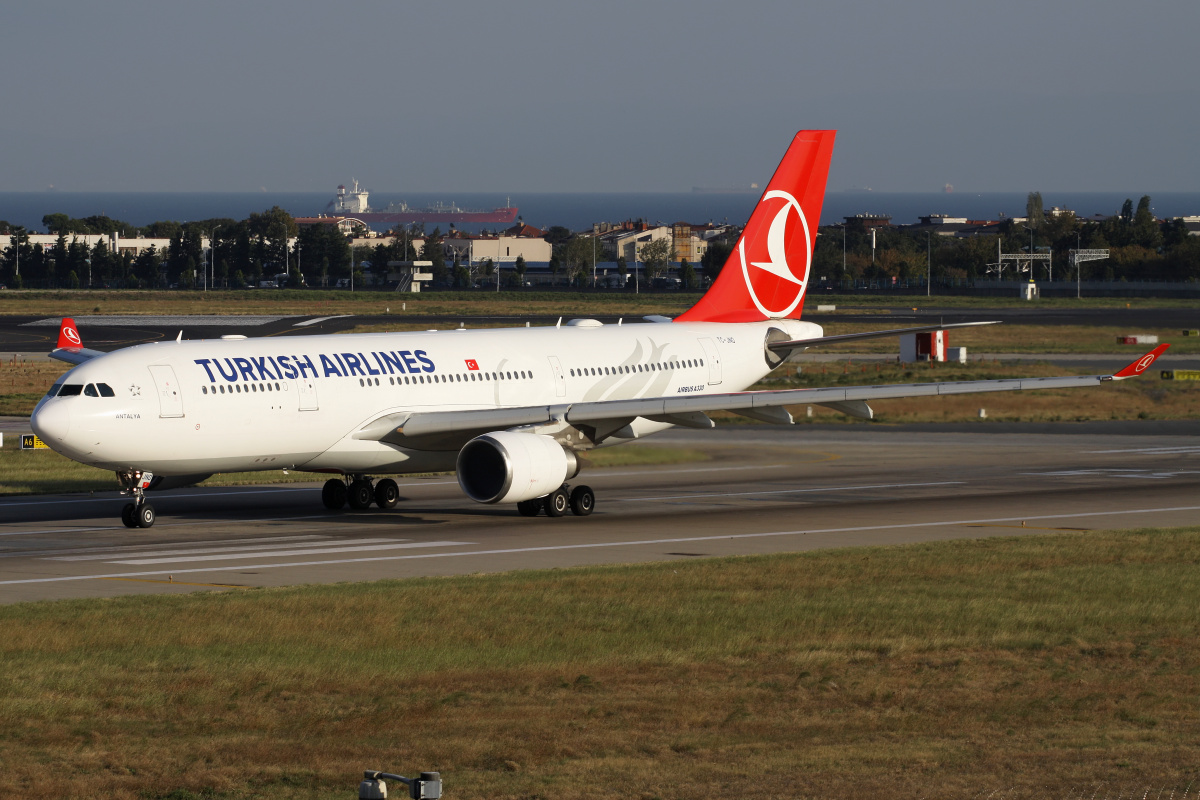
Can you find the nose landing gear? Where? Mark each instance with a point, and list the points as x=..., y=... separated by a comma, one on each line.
x=139, y=513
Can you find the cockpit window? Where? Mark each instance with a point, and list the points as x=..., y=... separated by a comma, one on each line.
x=53, y=391
x=90, y=390
x=70, y=390
x=105, y=390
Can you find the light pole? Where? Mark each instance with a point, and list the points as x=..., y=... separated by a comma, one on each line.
x=928, y=264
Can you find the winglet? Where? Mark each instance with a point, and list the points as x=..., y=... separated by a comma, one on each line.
x=68, y=335
x=1141, y=365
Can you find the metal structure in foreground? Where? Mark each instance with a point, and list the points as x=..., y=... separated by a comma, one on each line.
x=374, y=786
x=1078, y=257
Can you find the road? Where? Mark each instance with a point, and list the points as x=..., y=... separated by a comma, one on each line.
x=764, y=490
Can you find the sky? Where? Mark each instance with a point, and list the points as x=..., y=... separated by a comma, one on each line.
x=613, y=96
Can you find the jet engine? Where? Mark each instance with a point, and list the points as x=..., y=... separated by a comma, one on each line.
x=508, y=467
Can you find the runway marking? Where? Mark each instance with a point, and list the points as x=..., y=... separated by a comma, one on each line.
x=277, y=553
x=782, y=491
x=241, y=521
x=308, y=322
x=1162, y=450
x=1117, y=472
x=598, y=545
x=153, y=499
x=176, y=551
x=116, y=549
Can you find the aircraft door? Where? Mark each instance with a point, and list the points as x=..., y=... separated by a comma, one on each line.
x=170, y=400
x=713, y=356
x=560, y=380
x=306, y=388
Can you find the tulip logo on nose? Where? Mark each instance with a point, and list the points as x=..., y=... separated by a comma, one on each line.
x=774, y=286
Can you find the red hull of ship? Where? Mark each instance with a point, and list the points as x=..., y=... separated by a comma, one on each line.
x=499, y=215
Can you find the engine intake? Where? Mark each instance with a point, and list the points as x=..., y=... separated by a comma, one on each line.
x=508, y=467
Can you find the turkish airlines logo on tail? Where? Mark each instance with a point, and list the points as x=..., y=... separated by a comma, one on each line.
x=68, y=336
x=1145, y=361
x=775, y=286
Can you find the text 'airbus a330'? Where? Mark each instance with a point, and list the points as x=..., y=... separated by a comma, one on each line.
x=509, y=410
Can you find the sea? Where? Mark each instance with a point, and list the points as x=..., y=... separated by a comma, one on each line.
x=575, y=211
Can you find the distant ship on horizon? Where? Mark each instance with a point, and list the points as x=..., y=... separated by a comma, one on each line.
x=355, y=203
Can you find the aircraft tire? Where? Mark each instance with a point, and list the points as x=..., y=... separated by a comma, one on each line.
x=583, y=501
x=334, y=493
x=127, y=515
x=145, y=516
x=387, y=493
x=557, y=503
x=529, y=508
x=360, y=495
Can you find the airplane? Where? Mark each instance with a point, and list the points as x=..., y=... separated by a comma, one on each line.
x=511, y=411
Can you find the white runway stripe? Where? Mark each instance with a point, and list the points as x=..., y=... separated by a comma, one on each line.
x=278, y=553
x=1152, y=450
x=782, y=491
x=188, y=550
x=114, y=550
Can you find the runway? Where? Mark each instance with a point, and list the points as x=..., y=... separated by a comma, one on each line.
x=764, y=489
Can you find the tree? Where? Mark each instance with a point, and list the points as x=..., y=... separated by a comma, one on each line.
x=714, y=259
x=687, y=274
x=519, y=268
x=1145, y=230
x=657, y=256
x=1033, y=209
x=557, y=234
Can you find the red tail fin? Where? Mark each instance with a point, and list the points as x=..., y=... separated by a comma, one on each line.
x=767, y=273
x=68, y=334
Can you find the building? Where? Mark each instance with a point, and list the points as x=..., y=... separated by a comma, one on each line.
x=689, y=242
x=500, y=248
x=114, y=241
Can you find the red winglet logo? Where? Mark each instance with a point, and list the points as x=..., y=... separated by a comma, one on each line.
x=768, y=271
x=68, y=334
x=1142, y=364
x=472, y=364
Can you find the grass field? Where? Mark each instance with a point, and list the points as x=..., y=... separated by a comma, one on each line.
x=525, y=302
x=1017, y=668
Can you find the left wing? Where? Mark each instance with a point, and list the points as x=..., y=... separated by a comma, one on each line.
x=607, y=417
x=70, y=345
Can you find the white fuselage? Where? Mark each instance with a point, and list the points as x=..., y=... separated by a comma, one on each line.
x=195, y=407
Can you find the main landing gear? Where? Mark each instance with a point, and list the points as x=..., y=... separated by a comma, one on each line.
x=580, y=501
x=139, y=513
x=360, y=493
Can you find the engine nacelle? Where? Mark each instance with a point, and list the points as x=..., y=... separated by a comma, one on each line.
x=508, y=467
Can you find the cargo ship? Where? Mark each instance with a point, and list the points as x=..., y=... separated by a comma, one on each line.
x=354, y=203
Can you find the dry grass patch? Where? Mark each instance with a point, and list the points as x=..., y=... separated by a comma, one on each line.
x=1040, y=663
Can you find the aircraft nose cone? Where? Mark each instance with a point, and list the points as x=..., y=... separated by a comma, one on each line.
x=51, y=422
